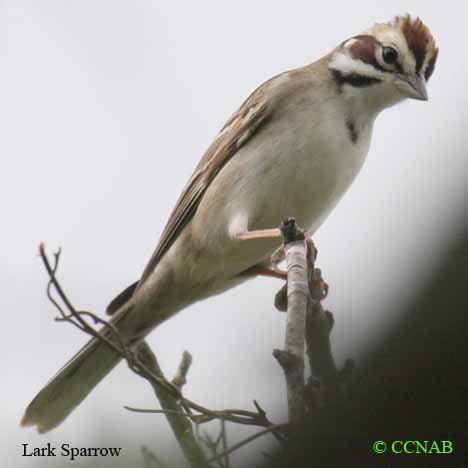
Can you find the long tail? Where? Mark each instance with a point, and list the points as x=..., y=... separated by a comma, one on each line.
x=70, y=386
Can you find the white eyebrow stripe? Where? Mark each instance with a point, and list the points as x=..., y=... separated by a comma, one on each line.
x=350, y=43
x=345, y=64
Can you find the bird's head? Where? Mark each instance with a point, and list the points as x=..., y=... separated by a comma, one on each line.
x=388, y=62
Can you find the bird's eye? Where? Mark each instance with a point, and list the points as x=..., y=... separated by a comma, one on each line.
x=389, y=55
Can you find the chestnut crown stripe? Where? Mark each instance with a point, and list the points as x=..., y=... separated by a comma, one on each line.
x=420, y=43
x=431, y=65
x=419, y=39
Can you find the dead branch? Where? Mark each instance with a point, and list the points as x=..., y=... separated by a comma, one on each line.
x=291, y=359
x=227, y=463
x=319, y=324
x=77, y=318
x=212, y=445
x=180, y=424
x=180, y=377
x=324, y=384
x=151, y=460
x=179, y=410
x=276, y=428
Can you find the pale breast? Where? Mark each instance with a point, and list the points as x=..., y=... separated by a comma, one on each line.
x=301, y=173
x=299, y=165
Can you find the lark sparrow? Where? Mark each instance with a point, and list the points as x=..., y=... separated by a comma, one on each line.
x=292, y=149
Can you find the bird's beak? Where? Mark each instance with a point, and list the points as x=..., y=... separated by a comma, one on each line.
x=413, y=87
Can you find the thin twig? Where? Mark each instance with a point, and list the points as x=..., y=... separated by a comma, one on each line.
x=150, y=458
x=180, y=423
x=180, y=377
x=180, y=410
x=227, y=464
x=276, y=427
x=156, y=411
x=251, y=419
x=212, y=446
x=77, y=319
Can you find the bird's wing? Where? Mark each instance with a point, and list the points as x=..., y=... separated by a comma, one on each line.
x=237, y=131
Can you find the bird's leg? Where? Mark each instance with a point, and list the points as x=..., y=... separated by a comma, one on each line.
x=265, y=269
x=260, y=234
x=271, y=268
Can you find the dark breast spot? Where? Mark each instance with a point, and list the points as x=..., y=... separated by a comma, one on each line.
x=353, y=135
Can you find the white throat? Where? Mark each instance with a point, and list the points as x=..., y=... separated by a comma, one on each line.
x=365, y=102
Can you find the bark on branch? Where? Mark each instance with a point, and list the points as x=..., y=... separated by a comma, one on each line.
x=319, y=324
x=291, y=359
x=180, y=424
x=307, y=320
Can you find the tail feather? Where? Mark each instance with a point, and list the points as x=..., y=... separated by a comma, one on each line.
x=70, y=386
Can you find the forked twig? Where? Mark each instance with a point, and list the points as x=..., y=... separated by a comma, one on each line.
x=276, y=427
x=182, y=409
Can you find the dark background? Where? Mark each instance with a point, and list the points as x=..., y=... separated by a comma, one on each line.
x=414, y=386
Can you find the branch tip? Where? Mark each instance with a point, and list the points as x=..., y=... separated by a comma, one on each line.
x=290, y=231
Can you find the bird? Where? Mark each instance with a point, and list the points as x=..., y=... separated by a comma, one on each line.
x=293, y=148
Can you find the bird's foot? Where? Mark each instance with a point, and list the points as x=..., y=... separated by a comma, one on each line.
x=278, y=255
x=271, y=271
